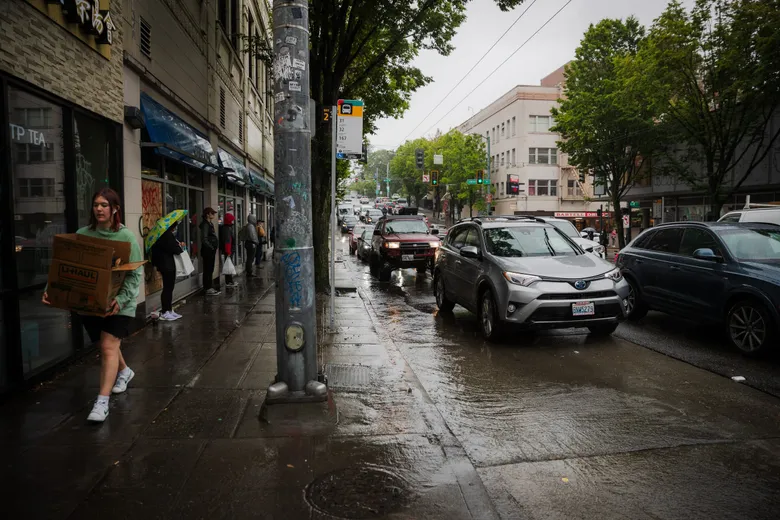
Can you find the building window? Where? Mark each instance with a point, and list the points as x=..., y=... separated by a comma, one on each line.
x=514, y=126
x=514, y=157
x=502, y=188
x=222, y=14
x=487, y=135
x=542, y=156
x=541, y=123
x=573, y=189
x=251, y=55
x=25, y=153
x=543, y=188
x=36, y=187
x=502, y=130
x=235, y=23
x=241, y=127
x=502, y=158
x=146, y=38
x=222, y=114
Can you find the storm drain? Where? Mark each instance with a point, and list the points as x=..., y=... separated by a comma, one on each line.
x=358, y=492
x=348, y=377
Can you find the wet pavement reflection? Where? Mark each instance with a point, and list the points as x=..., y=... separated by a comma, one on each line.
x=562, y=425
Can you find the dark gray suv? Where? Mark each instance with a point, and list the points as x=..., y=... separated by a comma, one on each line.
x=524, y=271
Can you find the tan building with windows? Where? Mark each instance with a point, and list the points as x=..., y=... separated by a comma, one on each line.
x=196, y=75
x=528, y=173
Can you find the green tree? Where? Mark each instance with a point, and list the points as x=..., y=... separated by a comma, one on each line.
x=714, y=77
x=364, y=187
x=464, y=154
x=363, y=49
x=377, y=165
x=607, y=127
x=403, y=168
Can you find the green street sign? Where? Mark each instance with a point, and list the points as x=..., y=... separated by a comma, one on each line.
x=633, y=204
x=471, y=181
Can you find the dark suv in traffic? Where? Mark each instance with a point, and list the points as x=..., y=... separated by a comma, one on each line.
x=721, y=273
x=402, y=241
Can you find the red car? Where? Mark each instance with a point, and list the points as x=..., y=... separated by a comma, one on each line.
x=401, y=242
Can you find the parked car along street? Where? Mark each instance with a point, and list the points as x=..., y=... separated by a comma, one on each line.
x=724, y=273
x=364, y=244
x=354, y=235
x=524, y=271
x=589, y=246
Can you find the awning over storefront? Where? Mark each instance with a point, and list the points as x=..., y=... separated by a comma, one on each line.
x=238, y=172
x=261, y=184
x=173, y=138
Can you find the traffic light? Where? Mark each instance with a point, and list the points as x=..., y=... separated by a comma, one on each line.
x=434, y=177
x=480, y=176
x=364, y=159
x=582, y=177
x=419, y=156
x=598, y=213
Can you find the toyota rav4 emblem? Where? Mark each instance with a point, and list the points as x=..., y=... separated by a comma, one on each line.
x=580, y=285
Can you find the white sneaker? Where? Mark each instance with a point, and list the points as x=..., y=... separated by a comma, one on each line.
x=99, y=412
x=121, y=381
x=213, y=292
x=176, y=315
x=168, y=316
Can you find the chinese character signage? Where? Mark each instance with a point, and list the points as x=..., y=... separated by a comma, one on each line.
x=88, y=20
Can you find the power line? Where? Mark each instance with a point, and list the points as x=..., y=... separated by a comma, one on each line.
x=470, y=70
x=502, y=64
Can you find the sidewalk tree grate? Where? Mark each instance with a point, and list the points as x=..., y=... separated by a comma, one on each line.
x=365, y=491
x=348, y=377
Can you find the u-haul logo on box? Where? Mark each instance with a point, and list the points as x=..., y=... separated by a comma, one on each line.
x=72, y=272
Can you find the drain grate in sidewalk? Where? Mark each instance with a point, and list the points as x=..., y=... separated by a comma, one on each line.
x=348, y=377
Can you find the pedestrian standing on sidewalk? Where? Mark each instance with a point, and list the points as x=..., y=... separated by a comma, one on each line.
x=226, y=240
x=106, y=222
x=208, y=250
x=163, y=252
x=613, y=237
x=251, y=241
x=261, y=249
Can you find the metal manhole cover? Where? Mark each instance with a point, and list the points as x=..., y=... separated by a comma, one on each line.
x=348, y=376
x=358, y=492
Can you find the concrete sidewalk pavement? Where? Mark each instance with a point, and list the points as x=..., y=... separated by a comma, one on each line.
x=186, y=440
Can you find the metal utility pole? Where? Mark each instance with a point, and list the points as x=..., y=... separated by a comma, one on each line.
x=334, y=139
x=387, y=178
x=296, y=319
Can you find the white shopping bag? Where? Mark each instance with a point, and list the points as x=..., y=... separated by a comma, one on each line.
x=228, y=268
x=183, y=263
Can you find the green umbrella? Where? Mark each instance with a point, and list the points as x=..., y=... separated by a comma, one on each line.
x=162, y=225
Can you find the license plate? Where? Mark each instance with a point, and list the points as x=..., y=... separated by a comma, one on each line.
x=407, y=258
x=583, y=309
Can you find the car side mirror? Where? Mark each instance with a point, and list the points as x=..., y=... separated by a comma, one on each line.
x=705, y=253
x=470, y=252
x=434, y=231
x=377, y=233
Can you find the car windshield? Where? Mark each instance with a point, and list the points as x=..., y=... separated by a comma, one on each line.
x=406, y=226
x=567, y=227
x=752, y=244
x=527, y=241
x=350, y=219
x=374, y=212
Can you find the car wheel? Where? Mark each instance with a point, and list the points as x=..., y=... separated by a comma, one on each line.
x=384, y=273
x=444, y=303
x=422, y=270
x=373, y=266
x=602, y=330
x=489, y=323
x=635, y=309
x=750, y=327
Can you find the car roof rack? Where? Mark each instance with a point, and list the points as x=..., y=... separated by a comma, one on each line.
x=498, y=218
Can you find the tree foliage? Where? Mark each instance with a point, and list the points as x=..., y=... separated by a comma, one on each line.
x=606, y=125
x=713, y=76
x=363, y=49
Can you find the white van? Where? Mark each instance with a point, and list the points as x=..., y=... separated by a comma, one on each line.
x=760, y=215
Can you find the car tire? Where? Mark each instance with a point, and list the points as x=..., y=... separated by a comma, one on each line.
x=385, y=271
x=636, y=308
x=422, y=270
x=444, y=303
x=749, y=327
x=373, y=266
x=489, y=322
x=602, y=330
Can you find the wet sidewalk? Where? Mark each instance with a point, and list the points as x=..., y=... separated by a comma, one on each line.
x=186, y=440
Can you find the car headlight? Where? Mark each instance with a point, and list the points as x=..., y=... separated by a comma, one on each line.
x=598, y=250
x=434, y=244
x=615, y=275
x=392, y=245
x=521, y=279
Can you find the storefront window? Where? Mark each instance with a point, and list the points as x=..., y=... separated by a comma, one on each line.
x=38, y=178
x=91, y=153
x=175, y=171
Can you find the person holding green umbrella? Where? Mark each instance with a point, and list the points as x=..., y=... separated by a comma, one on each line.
x=163, y=249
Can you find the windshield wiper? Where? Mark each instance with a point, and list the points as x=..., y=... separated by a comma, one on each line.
x=547, y=243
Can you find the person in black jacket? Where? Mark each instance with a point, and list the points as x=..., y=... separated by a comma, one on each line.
x=208, y=251
x=162, y=258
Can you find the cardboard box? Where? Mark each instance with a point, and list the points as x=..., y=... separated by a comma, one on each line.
x=84, y=276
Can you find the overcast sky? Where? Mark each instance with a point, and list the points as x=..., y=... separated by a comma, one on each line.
x=549, y=49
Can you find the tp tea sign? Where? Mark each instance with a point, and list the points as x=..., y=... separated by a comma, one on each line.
x=349, y=141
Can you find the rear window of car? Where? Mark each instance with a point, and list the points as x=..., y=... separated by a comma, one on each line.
x=528, y=241
x=665, y=240
x=643, y=239
x=695, y=238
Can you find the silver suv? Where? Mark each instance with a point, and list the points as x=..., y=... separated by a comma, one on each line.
x=524, y=271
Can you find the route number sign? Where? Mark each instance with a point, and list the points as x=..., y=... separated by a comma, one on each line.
x=349, y=141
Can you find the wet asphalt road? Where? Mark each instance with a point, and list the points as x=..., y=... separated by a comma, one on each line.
x=559, y=425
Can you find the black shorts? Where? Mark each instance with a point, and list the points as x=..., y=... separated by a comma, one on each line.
x=117, y=325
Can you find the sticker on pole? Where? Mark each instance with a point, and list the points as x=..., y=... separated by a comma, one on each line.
x=349, y=137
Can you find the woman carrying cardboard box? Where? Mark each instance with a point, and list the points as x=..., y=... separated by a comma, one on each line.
x=106, y=223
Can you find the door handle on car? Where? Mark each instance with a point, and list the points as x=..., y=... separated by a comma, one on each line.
x=674, y=268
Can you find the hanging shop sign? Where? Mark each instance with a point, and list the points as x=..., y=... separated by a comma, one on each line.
x=88, y=20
